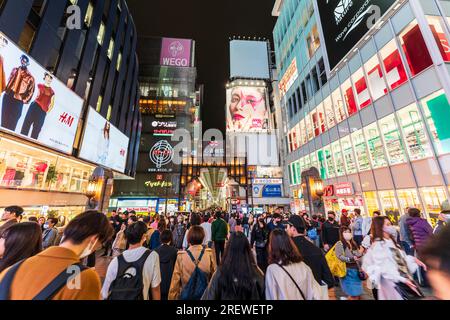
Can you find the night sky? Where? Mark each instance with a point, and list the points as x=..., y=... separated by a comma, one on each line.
x=210, y=23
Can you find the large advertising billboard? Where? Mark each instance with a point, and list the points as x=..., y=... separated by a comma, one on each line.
x=247, y=109
x=103, y=143
x=345, y=22
x=288, y=78
x=33, y=103
x=176, y=52
x=249, y=59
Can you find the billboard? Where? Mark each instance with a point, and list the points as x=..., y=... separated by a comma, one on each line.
x=249, y=59
x=163, y=127
x=247, y=109
x=176, y=52
x=345, y=22
x=33, y=103
x=103, y=143
x=288, y=78
x=267, y=191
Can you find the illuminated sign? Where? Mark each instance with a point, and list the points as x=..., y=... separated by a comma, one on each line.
x=344, y=189
x=267, y=181
x=161, y=153
x=158, y=184
x=289, y=78
x=176, y=52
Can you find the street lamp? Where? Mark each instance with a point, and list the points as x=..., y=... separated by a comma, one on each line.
x=91, y=192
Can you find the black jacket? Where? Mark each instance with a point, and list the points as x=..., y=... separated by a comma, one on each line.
x=330, y=233
x=259, y=235
x=315, y=259
x=216, y=292
x=167, y=258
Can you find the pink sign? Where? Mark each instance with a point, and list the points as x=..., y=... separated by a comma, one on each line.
x=176, y=52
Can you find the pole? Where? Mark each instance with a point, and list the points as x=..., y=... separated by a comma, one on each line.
x=167, y=195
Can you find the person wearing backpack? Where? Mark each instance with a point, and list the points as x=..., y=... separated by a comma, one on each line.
x=167, y=258
x=46, y=276
x=193, y=268
x=135, y=274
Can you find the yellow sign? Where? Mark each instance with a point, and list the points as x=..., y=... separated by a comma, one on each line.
x=158, y=184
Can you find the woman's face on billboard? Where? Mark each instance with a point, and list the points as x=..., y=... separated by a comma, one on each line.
x=247, y=108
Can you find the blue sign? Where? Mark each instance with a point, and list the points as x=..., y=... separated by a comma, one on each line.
x=272, y=191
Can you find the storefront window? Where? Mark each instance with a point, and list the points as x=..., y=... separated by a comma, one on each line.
x=349, y=97
x=408, y=199
x=371, y=201
x=322, y=168
x=392, y=140
x=291, y=176
x=339, y=159
x=314, y=161
x=433, y=199
x=362, y=91
x=393, y=65
x=304, y=136
x=376, y=147
x=315, y=121
x=414, y=132
x=321, y=118
x=307, y=162
x=390, y=206
x=349, y=157
x=294, y=138
x=415, y=49
x=339, y=107
x=69, y=176
x=377, y=85
x=309, y=127
x=436, y=26
x=361, y=151
x=330, y=162
x=437, y=112
x=329, y=112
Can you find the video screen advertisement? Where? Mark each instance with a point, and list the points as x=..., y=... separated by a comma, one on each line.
x=176, y=52
x=247, y=109
x=346, y=22
x=249, y=59
x=103, y=143
x=33, y=103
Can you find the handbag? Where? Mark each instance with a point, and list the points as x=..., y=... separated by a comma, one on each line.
x=361, y=274
x=337, y=267
x=407, y=293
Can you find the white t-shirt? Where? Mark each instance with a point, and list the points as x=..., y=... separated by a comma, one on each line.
x=151, y=276
x=207, y=227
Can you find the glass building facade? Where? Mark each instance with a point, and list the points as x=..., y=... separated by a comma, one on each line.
x=378, y=120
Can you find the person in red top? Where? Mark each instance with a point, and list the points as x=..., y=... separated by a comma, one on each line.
x=39, y=108
x=19, y=91
x=345, y=221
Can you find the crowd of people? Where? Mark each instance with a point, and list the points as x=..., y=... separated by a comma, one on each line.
x=214, y=255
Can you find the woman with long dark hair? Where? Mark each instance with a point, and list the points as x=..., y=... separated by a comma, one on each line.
x=287, y=276
x=347, y=251
x=388, y=267
x=18, y=242
x=259, y=238
x=238, y=277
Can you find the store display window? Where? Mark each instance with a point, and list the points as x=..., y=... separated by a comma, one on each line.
x=371, y=202
x=304, y=136
x=69, y=176
x=437, y=113
x=322, y=166
x=291, y=179
x=339, y=106
x=315, y=121
x=390, y=205
x=331, y=169
x=361, y=88
x=361, y=151
x=437, y=28
x=290, y=141
x=415, y=49
x=409, y=199
x=329, y=112
x=309, y=127
x=377, y=84
x=433, y=198
x=294, y=139
x=321, y=118
x=416, y=140
x=298, y=173
x=392, y=139
x=298, y=134
x=393, y=65
x=349, y=97
x=375, y=145
x=349, y=158
x=314, y=160
x=339, y=159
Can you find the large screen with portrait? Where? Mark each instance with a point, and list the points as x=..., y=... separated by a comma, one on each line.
x=247, y=109
x=103, y=143
x=33, y=103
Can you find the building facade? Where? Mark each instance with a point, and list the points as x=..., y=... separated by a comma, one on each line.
x=82, y=73
x=170, y=100
x=373, y=123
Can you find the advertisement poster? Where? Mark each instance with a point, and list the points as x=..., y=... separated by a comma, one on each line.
x=247, y=109
x=346, y=22
x=103, y=143
x=33, y=103
x=176, y=52
x=267, y=191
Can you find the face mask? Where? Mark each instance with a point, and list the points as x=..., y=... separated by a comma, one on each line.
x=46, y=225
x=330, y=219
x=348, y=236
x=390, y=230
x=88, y=250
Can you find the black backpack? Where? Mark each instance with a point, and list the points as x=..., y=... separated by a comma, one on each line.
x=198, y=282
x=127, y=286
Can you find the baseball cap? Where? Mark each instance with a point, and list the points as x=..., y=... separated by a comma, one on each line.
x=297, y=222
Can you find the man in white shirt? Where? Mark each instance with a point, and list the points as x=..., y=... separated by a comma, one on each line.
x=207, y=227
x=151, y=274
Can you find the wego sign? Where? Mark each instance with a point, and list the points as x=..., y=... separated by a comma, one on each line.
x=346, y=22
x=176, y=52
